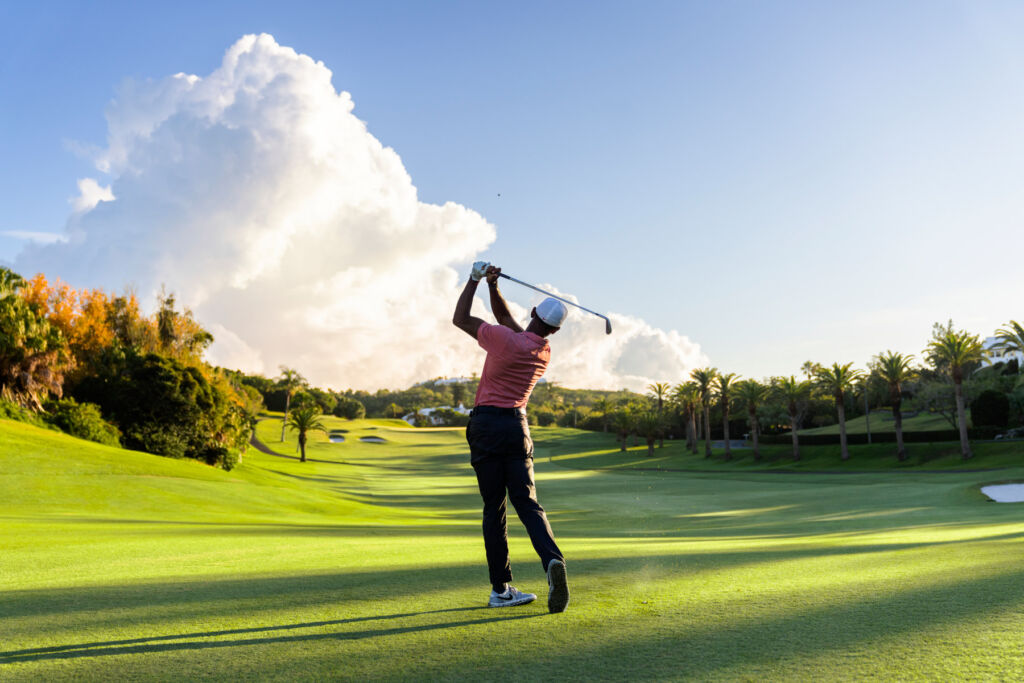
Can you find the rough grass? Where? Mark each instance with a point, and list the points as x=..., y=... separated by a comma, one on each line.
x=366, y=563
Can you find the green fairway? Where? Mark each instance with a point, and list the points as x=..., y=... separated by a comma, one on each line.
x=366, y=562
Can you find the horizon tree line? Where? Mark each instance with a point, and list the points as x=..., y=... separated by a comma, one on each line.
x=954, y=354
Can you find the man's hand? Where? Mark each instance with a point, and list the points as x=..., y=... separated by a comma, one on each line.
x=492, y=275
x=479, y=270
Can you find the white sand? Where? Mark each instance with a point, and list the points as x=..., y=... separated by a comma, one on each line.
x=1005, y=493
x=336, y=438
x=372, y=439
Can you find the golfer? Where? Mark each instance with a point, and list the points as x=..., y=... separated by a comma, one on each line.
x=501, y=450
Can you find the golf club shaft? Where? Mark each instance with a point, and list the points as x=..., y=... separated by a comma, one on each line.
x=555, y=296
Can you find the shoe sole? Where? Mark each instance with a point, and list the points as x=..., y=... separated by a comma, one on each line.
x=512, y=603
x=558, y=587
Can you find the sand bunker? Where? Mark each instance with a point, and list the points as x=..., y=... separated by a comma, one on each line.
x=336, y=438
x=1005, y=493
x=372, y=439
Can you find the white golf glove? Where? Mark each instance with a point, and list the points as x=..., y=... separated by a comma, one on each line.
x=479, y=270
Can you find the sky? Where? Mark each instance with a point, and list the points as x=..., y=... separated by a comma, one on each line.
x=742, y=184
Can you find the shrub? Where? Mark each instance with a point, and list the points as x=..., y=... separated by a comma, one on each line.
x=349, y=408
x=544, y=416
x=990, y=409
x=10, y=410
x=221, y=457
x=82, y=420
x=450, y=417
x=164, y=407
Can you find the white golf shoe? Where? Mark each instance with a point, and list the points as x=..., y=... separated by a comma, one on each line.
x=558, y=587
x=511, y=596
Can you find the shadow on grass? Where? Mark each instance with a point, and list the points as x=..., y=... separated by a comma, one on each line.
x=215, y=596
x=840, y=634
x=153, y=644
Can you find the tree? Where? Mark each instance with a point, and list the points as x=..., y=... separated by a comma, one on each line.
x=752, y=394
x=658, y=391
x=603, y=406
x=179, y=335
x=291, y=381
x=165, y=407
x=810, y=369
x=349, y=408
x=624, y=423
x=684, y=395
x=895, y=370
x=704, y=378
x=724, y=385
x=33, y=353
x=794, y=395
x=458, y=392
x=837, y=380
x=650, y=425
x=955, y=351
x=304, y=419
x=395, y=410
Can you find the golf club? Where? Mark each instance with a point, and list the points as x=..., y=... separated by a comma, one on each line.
x=607, y=322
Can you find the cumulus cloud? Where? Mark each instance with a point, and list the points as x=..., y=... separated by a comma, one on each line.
x=90, y=193
x=31, y=236
x=259, y=197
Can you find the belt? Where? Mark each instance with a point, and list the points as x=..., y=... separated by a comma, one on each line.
x=495, y=410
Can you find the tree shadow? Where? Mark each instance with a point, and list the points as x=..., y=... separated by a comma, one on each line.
x=152, y=644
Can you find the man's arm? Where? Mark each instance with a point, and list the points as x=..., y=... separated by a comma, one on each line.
x=462, y=319
x=498, y=306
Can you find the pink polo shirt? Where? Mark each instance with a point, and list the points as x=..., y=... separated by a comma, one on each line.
x=515, y=361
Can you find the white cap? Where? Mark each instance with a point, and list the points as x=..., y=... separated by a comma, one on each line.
x=552, y=311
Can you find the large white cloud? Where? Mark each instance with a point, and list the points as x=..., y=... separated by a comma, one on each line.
x=258, y=197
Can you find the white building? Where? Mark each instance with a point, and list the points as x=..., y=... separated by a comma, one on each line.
x=429, y=414
x=993, y=357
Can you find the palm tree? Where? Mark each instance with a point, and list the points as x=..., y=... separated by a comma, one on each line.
x=1009, y=339
x=304, y=419
x=895, y=370
x=684, y=395
x=837, y=380
x=810, y=369
x=704, y=378
x=953, y=351
x=724, y=385
x=623, y=421
x=292, y=381
x=794, y=394
x=752, y=394
x=658, y=391
x=603, y=406
x=650, y=425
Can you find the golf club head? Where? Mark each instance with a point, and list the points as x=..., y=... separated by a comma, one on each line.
x=607, y=326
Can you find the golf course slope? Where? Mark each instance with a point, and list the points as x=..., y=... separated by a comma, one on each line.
x=366, y=562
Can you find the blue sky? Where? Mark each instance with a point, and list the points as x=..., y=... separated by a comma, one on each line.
x=777, y=181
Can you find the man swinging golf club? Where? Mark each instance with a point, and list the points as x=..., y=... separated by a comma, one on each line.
x=501, y=450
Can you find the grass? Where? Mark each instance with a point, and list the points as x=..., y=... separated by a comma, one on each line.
x=882, y=421
x=366, y=563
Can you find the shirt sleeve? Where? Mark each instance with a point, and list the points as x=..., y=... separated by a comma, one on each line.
x=493, y=338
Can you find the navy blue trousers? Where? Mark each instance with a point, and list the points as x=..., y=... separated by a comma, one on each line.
x=501, y=452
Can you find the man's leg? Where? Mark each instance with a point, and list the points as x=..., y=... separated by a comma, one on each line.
x=490, y=478
x=522, y=492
